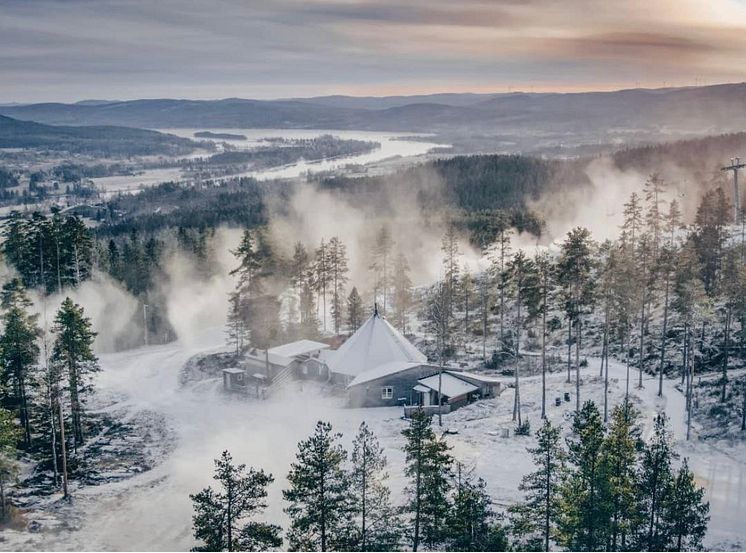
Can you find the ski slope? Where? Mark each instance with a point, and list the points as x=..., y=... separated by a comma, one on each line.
x=152, y=511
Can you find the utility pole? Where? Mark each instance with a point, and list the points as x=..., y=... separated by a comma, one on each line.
x=735, y=165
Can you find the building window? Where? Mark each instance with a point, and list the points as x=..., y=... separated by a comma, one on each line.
x=239, y=377
x=387, y=392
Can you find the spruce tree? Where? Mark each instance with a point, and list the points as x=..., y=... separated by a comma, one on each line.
x=685, y=513
x=378, y=527
x=19, y=353
x=535, y=520
x=428, y=466
x=472, y=524
x=73, y=355
x=321, y=505
x=221, y=517
x=9, y=436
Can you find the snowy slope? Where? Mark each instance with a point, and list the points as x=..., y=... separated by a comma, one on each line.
x=152, y=511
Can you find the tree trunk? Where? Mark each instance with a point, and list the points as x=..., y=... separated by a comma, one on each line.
x=642, y=340
x=569, y=348
x=577, y=365
x=544, y=357
x=723, y=391
x=743, y=407
x=663, y=338
x=517, y=402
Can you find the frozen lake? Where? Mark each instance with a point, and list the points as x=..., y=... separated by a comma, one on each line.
x=392, y=145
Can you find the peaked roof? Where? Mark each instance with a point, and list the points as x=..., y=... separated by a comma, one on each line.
x=374, y=343
x=450, y=385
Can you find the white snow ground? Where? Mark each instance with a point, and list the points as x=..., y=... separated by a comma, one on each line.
x=152, y=511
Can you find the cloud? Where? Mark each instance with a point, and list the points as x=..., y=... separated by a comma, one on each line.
x=74, y=49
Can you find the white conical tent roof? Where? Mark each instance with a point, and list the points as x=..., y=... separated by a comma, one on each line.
x=374, y=343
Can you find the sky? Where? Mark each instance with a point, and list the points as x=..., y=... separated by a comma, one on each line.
x=69, y=50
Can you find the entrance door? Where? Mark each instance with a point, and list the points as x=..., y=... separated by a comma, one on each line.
x=426, y=399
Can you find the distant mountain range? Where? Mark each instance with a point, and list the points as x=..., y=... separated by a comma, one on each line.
x=701, y=110
x=99, y=140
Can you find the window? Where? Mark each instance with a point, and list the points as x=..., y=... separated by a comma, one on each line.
x=239, y=377
x=387, y=392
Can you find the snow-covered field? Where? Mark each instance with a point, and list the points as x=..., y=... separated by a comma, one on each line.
x=152, y=510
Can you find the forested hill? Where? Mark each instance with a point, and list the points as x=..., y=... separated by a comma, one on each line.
x=692, y=109
x=98, y=140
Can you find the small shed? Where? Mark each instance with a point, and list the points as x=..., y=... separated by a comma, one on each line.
x=234, y=379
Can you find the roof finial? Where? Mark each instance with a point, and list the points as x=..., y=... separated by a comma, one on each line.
x=375, y=309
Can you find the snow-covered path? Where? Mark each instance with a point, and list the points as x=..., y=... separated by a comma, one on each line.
x=152, y=511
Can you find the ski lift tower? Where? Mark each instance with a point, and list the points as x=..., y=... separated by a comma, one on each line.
x=735, y=165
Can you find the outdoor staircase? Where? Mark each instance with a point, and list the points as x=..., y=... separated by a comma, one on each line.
x=280, y=380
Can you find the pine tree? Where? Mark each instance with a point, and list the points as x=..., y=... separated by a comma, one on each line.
x=471, y=524
x=665, y=268
x=685, y=513
x=354, y=310
x=450, y=249
x=338, y=269
x=19, y=353
x=654, y=485
x=645, y=277
x=236, y=327
x=299, y=266
x=620, y=451
x=710, y=236
x=321, y=276
x=502, y=278
x=380, y=265
x=321, y=505
x=467, y=293
x=9, y=436
x=535, y=520
x=377, y=526
x=73, y=353
x=633, y=221
x=402, y=285
x=575, y=276
x=545, y=274
x=523, y=275
x=654, y=216
x=584, y=521
x=221, y=517
x=427, y=466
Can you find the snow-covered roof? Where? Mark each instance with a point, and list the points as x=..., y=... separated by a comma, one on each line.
x=274, y=359
x=299, y=347
x=421, y=388
x=451, y=386
x=374, y=343
x=392, y=367
x=478, y=377
x=233, y=371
